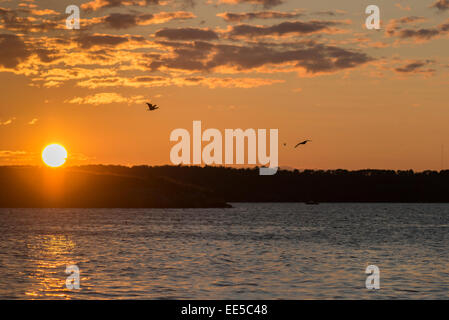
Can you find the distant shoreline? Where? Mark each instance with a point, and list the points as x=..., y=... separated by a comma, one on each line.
x=227, y=206
x=210, y=187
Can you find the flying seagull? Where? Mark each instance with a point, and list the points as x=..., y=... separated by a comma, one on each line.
x=152, y=107
x=303, y=143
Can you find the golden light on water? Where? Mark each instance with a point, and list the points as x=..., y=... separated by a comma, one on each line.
x=54, y=155
x=49, y=255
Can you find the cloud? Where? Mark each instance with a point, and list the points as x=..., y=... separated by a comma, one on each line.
x=214, y=82
x=187, y=34
x=441, y=5
x=265, y=3
x=106, y=98
x=55, y=76
x=100, y=4
x=329, y=13
x=419, y=34
x=129, y=20
x=135, y=82
x=402, y=7
x=47, y=55
x=9, y=153
x=13, y=50
x=33, y=122
x=7, y=122
x=396, y=24
x=16, y=157
x=44, y=12
x=26, y=5
x=59, y=74
x=296, y=27
x=163, y=17
x=416, y=67
x=175, y=56
x=408, y=20
x=89, y=41
x=14, y=20
x=80, y=157
x=125, y=20
x=239, y=17
x=309, y=56
x=149, y=82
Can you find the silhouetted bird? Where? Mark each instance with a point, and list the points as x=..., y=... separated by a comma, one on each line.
x=303, y=143
x=152, y=107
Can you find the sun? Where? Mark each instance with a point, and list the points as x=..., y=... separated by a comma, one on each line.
x=54, y=155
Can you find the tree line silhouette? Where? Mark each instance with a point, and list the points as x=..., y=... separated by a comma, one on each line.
x=201, y=187
x=245, y=185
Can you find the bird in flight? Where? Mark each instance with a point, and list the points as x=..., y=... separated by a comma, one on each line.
x=152, y=107
x=303, y=143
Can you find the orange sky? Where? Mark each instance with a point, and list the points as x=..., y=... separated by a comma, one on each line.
x=367, y=99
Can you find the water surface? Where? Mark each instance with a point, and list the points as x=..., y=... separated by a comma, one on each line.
x=252, y=251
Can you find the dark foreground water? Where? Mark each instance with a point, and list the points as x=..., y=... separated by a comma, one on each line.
x=253, y=251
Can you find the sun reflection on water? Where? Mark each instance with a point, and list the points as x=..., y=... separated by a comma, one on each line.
x=50, y=254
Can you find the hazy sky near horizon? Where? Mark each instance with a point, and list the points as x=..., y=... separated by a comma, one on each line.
x=367, y=98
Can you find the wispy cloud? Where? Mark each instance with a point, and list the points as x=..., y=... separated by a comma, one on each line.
x=213, y=83
x=419, y=34
x=265, y=3
x=150, y=82
x=7, y=122
x=286, y=28
x=26, y=20
x=239, y=17
x=87, y=41
x=17, y=157
x=129, y=20
x=402, y=7
x=106, y=98
x=417, y=66
x=100, y=4
x=187, y=34
x=441, y=5
x=9, y=153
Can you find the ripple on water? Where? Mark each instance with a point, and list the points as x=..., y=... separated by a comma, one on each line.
x=252, y=251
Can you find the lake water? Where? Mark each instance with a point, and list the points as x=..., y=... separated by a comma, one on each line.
x=252, y=251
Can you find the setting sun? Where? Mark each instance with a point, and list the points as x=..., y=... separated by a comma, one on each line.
x=54, y=155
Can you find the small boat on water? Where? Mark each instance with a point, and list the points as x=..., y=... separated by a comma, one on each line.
x=311, y=202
